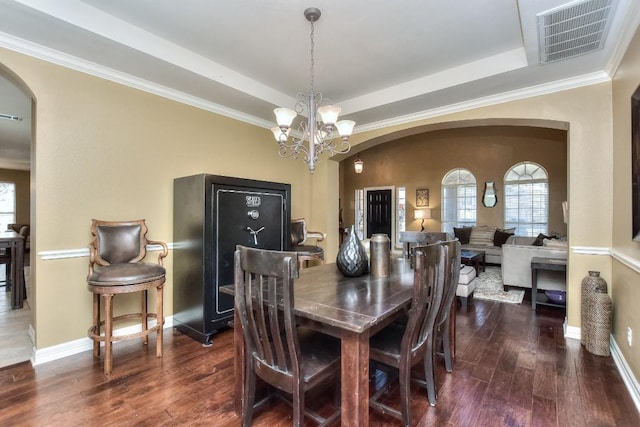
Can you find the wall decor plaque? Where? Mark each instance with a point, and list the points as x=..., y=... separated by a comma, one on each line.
x=422, y=197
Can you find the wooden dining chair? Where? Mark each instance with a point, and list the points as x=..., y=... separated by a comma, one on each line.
x=116, y=267
x=404, y=346
x=291, y=359
x=451, y=274
x=5, y=258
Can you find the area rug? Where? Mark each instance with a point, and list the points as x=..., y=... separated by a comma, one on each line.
x=489, y=287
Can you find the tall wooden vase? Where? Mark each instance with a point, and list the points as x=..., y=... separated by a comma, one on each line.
x=590, y=284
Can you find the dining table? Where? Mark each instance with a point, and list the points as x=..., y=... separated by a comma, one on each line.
x=349, y=308
x=14, y=242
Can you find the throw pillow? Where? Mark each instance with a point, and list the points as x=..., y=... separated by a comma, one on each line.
x=555, y=244
x=482, y=236
x=540, y=240
x=500, y=237
x=462, y=234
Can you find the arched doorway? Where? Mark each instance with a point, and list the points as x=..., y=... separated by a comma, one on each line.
x=16, y=106
x=416, y=158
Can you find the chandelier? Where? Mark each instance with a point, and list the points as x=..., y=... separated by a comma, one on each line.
x=317, y=134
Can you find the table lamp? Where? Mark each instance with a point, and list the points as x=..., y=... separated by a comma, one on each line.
x=422, y=214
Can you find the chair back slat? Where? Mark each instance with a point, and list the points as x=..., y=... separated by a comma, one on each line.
x=279, y=346
x=451, y=276
x=427, y=295
x=264, y=300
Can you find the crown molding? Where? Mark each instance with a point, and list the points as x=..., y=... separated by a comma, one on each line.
x=630, y=22
x=59, y=58
x=543, y=89
x=68, y=61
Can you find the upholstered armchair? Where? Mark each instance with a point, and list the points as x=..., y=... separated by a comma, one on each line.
x=306, y=252
x=116, y=267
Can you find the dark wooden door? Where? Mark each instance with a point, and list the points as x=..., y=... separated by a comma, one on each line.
x=379, y=206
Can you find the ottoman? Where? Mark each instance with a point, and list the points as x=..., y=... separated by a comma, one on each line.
x=466, y=284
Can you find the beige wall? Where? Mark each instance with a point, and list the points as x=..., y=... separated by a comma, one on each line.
x=23, y=203
x=422, y=160
x=624, y=286
x=103, y=150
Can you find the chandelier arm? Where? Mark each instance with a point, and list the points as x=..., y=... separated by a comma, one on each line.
x=344, y=149
x=294, y=150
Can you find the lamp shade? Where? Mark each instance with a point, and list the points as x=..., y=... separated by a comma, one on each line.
x=279, y=135
x=329, y=114
x=422, y=214
x=345, y=127
x=284, y=116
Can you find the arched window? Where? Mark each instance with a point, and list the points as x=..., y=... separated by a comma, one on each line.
x=526, y=199
x=459, y=199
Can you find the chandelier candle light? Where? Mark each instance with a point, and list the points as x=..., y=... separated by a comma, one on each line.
x=323, y=131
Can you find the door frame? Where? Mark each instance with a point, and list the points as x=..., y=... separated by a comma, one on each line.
x=393, y=210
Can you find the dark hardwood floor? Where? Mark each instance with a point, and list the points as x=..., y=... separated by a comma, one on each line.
x=513, y=368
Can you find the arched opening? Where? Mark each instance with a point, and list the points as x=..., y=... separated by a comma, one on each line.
x=419, y=157
x=17, y=105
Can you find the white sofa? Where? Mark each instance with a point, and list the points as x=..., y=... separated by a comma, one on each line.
x=486, y=239
x=492, y=254
x=516, y=264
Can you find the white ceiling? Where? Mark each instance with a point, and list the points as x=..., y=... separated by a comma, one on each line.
x=383, y=62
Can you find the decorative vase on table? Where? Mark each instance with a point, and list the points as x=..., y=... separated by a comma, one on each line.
x=380, y=253
x=352, y=258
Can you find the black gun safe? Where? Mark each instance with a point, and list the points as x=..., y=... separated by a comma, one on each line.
x=211, y=215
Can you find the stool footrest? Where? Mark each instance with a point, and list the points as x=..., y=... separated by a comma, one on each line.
x=96, y=334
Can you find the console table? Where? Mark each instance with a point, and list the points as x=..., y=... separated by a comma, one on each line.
x=417, y=237
x=538, y=263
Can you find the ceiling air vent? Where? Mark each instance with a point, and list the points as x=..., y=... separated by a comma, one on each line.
x=573, y=29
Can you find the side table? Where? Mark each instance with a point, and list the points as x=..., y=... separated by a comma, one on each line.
x=538, y=263
x=473, y=258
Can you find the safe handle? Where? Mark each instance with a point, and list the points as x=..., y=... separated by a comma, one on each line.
x=254, y=233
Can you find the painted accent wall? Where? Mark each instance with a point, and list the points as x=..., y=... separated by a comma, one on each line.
x=104, y=150
x=624, y=282
x=422, y=160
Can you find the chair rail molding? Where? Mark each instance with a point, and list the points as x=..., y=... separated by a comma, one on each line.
x=625, y=259
x=591, y=250
x=84, y=252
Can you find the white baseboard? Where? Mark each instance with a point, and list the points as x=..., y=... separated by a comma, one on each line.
x=571, y=331
x=625, y=372
x=623, y=368
x=70, y=348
